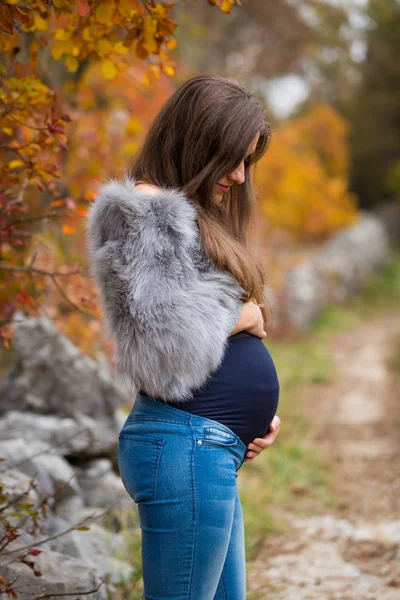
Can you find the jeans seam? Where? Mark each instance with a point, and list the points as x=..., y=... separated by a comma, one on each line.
x=162, y=419
x=194, y=507
x=194, y=515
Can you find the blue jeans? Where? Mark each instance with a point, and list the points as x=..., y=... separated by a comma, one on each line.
x=181, y=470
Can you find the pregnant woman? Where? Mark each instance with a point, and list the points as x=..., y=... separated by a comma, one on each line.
x=183, y=297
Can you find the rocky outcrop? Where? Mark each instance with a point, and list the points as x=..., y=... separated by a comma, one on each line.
x=51, y=376
x=59, y=423
x=333, y=273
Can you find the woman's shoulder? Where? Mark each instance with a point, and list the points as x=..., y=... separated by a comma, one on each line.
x=148, y=188
x=143, y=206
x=126, y=193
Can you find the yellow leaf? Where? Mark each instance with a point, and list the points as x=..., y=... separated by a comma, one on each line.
x=150, y=43
x=58, y=49
x=62, y=35
x=14, y=164
x=226, y=6
x=103, y=47
x=149, y=25
x=130, y=148
x=169, y=70
x=108, y=69
x=94, y=31
x=86, y=35
x=120, y=48
x=156, y=71
x=159, y=11
x=72, y=64
x=146, y=80
x=40, y=23
x=7, y=130
x=126, y=4
x=164, y=55
x=172, y=44
x=121, y=66
x=125, y=8
x=133, y=126
x=104, y=13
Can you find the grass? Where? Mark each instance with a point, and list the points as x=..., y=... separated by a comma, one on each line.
x=291, y=471
x=395, y=362
x=292, y=474
x=128, y=520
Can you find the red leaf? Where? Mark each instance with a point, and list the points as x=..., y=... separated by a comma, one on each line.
x=34, y=551
x=6, y=18
x=82, y=7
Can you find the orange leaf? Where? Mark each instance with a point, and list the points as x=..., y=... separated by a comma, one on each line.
x=21, y=14
x=90, y=195
x=172, y=44
x=68, y=230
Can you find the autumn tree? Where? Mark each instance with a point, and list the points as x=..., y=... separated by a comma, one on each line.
x=48, y=48
x=303, y=178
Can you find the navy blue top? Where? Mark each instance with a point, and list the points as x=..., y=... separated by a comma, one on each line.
x=243, y=392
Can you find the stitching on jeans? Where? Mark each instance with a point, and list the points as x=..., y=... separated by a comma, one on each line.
x=156, y=469
x=158, y=443
x=162, y=419
x=194, y=513
x=194, y=504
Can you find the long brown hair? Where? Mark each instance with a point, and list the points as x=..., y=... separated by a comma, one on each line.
x=201, y=133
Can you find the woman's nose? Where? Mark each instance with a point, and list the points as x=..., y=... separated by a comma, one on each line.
x=238, y=174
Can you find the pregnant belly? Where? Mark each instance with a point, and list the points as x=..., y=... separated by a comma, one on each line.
x=243, y=393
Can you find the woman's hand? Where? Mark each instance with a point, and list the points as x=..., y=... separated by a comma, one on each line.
x=251, y=320
x=259, y=444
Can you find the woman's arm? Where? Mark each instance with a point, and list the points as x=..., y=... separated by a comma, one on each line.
x=170, y=322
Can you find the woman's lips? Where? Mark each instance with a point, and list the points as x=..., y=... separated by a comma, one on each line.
x=225, y=188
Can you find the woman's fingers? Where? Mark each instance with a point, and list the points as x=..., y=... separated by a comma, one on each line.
x=260, y=444
x=275, y=423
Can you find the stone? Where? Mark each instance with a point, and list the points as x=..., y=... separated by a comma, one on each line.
x=61, y=574
x=50, y=375
x=81, y=436
x=334, y=271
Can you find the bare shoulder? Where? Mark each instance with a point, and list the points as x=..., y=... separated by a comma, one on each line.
x=148, y=187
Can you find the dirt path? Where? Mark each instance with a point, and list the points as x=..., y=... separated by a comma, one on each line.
x=353, y=551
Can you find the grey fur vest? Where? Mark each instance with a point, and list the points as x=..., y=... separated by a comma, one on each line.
x=166, y=305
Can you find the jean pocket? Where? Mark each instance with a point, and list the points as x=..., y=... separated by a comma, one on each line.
x=138, y=463
x=215, y=436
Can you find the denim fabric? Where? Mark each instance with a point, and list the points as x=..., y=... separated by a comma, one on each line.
x=181, y=470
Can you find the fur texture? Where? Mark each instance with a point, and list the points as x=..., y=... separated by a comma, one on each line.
x=164, y=302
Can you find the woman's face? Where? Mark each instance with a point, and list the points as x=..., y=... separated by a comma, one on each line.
x=236, y=176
